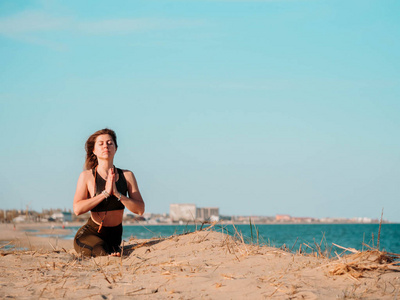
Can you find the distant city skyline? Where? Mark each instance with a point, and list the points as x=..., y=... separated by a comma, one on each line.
x=190, y=212
x=256, y=107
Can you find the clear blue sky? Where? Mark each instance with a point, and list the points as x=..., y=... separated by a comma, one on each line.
x=257, y=107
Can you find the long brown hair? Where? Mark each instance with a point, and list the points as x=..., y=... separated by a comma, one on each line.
x=91, y=159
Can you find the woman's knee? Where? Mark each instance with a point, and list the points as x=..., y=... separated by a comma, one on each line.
x=89, y=247
x=82, y=249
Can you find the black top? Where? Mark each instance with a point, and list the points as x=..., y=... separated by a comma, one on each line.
x=110, y=203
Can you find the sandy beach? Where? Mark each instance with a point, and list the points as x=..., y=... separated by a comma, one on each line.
x=200, y=265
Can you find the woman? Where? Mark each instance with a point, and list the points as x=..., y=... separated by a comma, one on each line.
x=105, y=191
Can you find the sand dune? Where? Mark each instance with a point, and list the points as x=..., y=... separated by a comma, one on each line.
x=200, y=265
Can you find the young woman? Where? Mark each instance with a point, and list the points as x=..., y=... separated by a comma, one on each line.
x=105, y=191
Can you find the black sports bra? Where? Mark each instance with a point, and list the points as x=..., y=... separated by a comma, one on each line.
x=110, y=203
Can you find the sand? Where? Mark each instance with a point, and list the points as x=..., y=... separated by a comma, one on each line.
x=201, y=265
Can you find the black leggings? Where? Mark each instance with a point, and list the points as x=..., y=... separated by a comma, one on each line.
x=89, y=242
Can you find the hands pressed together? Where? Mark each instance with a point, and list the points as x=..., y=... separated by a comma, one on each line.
x=111, y=187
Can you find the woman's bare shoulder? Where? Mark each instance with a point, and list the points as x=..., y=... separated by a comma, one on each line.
x=85, y=175
x=128, y=174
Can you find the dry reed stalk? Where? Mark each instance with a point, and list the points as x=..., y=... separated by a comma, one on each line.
x=318, y=247
x=379, y=232
x=238, y=249
x=251, y=231
x=299, y=251
x=338, y=256
x=372, y=239
x=294, y=244
x=64, y=283
x=277, y=288
x=352, y=278
x=234, y=253
x=362, y=249
x=29, y=241
x=41, y=293
x=240, y=235
x=134, y=271
x=347, y=249
x=5, y=245
x=226, y=243
x=52, y=246
x=209, y=227
x=323, y=237
x=228, y=276
x=371, y=248
x=101, y=269
x=202, y=239
x=309, y=247
x=134, y=291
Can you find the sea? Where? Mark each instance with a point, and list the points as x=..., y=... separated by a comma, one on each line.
x=293, y=237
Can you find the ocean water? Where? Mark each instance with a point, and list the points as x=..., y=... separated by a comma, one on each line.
x=293, y=236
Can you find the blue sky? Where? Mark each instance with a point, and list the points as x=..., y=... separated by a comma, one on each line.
x=257, y=107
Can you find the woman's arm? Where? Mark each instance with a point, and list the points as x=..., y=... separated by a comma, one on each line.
x=134, y=202
x=82, y=203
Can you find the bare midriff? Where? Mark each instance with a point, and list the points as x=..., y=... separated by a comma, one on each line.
x=113, y=217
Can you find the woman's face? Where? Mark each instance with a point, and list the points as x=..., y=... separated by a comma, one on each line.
x=104, y=147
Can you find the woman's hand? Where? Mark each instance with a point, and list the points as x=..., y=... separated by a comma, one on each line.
x=110, y=183
x=115, y=191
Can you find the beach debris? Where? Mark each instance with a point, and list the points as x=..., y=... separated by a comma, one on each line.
x=228, y=276
x=166, y=273
x=356, y=264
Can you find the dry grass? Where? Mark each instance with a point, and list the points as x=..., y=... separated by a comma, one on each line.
x=358, y=263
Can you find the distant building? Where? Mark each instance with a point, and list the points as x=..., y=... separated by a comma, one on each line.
x=182, y=212
x=283, y=218
x=67, y=216
x=189, y=212
x=302, y=220
x=63, y=216
x=207, y=214
x=19, y=219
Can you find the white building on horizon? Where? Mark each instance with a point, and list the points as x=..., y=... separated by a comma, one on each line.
x=182, y=212
x=207, y=214
x=190, y=213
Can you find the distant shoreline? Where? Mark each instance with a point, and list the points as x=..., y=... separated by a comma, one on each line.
x=124, y=223
x=272, y=223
